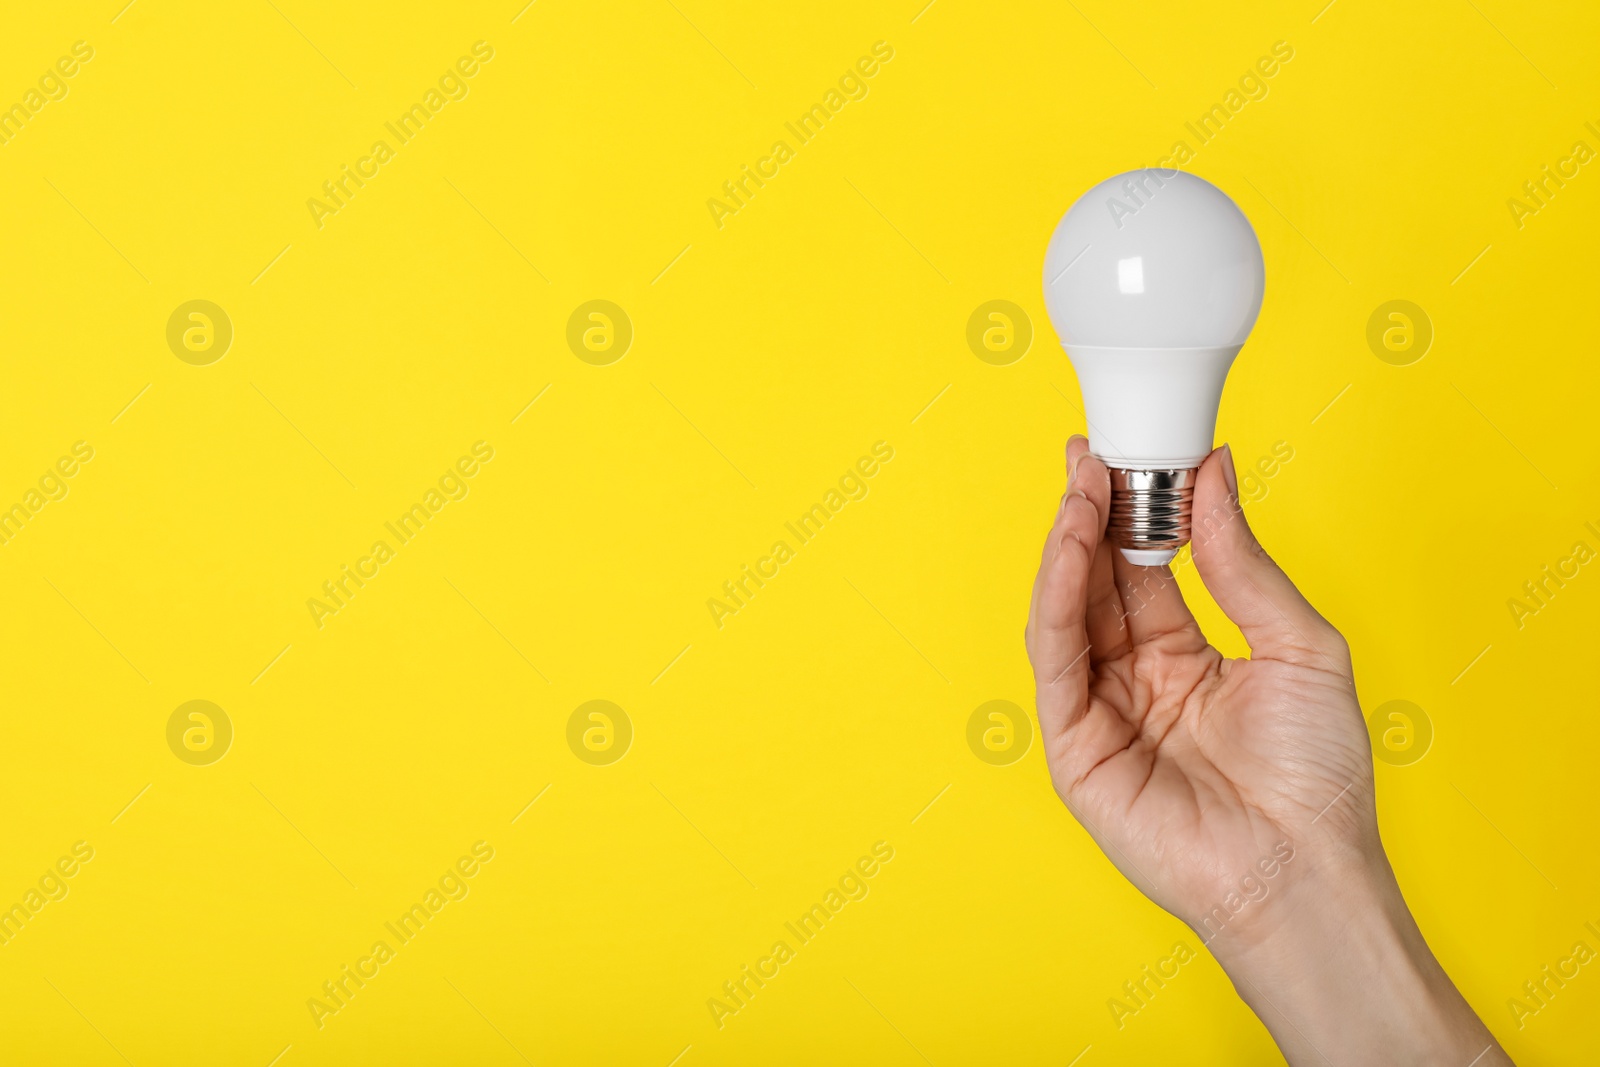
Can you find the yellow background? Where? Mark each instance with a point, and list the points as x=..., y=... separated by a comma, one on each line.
x=768, y=355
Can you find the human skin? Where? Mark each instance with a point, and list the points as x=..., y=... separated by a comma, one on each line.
x=1188, y=769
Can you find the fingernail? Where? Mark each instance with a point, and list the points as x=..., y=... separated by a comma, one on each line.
x=1229, y=475
x=1072, y=472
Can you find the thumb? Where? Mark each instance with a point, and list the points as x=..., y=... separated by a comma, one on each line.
x=1247, y=585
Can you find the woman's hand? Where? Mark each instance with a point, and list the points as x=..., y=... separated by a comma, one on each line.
x=1237, y=794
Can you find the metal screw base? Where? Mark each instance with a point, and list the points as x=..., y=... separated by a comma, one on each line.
x=1150, y=509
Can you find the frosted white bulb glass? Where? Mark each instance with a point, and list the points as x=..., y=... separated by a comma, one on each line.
x=1153, y=280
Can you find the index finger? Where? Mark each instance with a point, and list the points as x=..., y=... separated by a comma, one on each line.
x=1058, y=636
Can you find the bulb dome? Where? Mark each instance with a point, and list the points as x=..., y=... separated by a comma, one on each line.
x=1153, y=259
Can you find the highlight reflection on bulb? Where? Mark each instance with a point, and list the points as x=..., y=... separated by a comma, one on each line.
x=1153, y=280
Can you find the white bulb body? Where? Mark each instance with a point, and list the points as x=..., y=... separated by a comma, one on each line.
x=1153, y=280
x=1152, y=408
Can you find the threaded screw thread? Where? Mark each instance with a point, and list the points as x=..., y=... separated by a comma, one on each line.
x=1151, y=509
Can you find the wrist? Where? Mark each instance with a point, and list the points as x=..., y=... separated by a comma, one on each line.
x=1338, y=971
x=1320, y=898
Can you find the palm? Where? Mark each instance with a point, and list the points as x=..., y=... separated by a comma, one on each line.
x=1186, y=767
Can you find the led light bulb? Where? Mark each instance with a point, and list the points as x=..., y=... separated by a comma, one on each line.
x=1153, y=280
